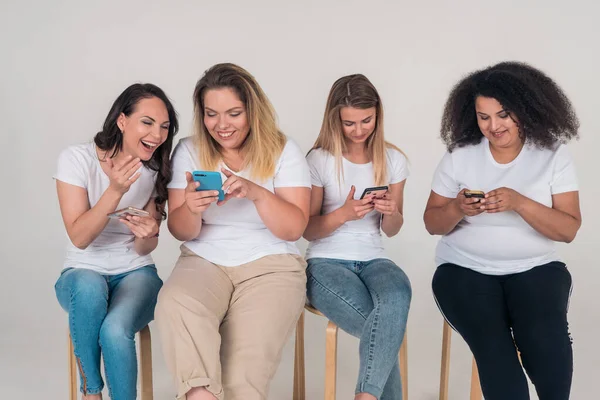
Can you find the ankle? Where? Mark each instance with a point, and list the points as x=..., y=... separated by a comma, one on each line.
x=199, y=393
x=364, y=396
x=97, y=396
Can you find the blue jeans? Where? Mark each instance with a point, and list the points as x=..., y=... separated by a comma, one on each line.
x=105, y=313
x=369, y=300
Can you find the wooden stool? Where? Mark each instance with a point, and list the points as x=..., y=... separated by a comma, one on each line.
x=331, y=360
x=476, y=393
x=445, y=374
x=145, y=367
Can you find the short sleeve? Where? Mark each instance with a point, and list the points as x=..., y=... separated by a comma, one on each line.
x=444, y=182
x=398, y=166
x=182, y=161
x=72, y=168
x=564, y=178
x=316, y=164
x=292, y=168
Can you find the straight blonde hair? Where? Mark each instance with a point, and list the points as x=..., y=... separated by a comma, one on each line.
x=354, y=91
x=265, y=142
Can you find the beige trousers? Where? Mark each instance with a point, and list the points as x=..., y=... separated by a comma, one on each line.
x=224, y=328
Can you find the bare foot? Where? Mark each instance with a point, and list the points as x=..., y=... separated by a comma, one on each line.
x=199, y=393
x=365, y=396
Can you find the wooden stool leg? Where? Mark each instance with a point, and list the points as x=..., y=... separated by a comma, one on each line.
x=330, y=360
x=475, y=385
x=299, y=380
x=146, y=364
x=403, y=362
x=72, y=371
x=445, y=373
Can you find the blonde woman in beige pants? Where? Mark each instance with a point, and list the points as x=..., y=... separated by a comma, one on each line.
x=234, y=296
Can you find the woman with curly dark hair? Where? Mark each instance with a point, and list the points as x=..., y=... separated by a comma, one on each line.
x=505, y=191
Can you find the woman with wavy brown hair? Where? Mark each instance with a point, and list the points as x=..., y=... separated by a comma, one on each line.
x=109, y=284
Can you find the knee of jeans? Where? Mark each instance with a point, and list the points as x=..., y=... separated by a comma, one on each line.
x=113, y=332
x=399, y=293
x=89, y=285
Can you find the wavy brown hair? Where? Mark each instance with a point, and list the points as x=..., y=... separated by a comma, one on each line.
x=110, y=138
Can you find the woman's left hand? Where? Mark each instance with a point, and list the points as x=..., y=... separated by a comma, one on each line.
x=141, y=227
x=386, y=205
x=503, y=199
x=238, y=187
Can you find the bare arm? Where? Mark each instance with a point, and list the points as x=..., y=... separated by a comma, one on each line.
x=84, y=224
x=185, y=209
x=442, y=214
x=145, y=229
x=559, y=222
x=320, y=226
x=391, y=208
x=285, y=212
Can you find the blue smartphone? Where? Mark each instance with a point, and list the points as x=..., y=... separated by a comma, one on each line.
x=209, y=180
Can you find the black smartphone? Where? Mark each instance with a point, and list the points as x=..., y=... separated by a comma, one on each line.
x=474, y=193
x=376, y=192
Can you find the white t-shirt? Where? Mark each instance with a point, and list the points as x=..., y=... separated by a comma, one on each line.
x=234, y=234
x=112, y=252
x=358, y=240
x=501, y=243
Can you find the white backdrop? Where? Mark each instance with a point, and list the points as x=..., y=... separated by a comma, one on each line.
x=64, y=63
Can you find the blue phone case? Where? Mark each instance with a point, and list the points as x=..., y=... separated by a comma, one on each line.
x=209, y=180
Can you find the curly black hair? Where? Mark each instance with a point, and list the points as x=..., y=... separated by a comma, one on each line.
x=544, y=113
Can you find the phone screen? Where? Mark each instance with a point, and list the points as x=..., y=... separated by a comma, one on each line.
x=375, y=192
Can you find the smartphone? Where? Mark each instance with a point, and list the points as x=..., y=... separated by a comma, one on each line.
x=474, y=193
x=129, y=211
x=209, y=180
x=376, y=192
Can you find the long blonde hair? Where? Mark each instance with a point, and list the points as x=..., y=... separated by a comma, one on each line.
x=354, y=91
x=264, y=143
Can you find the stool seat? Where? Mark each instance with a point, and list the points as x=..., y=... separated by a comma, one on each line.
x=313, y=310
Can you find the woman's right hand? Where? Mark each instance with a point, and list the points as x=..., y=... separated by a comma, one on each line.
x=198, y=201
x=469, y=206
x=356, y=209
x=123, y=174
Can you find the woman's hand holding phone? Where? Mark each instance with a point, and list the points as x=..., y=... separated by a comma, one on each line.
x=198, y=201
x=386, y=205
x=503, y=199
x=123, y=174
x=238, y=187
x=470, y=206
x=356, y=209
x=142, y=227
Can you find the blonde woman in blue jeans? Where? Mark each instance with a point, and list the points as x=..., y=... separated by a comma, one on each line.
x=350, y=279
